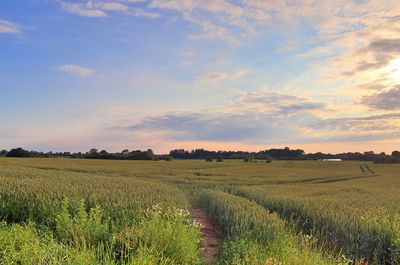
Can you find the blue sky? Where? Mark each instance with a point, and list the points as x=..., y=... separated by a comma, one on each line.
x=164, y=74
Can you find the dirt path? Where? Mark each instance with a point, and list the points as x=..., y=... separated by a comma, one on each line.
x=209, y=236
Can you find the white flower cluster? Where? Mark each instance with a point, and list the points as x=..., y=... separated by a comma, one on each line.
x=195, y=223
x=173, y=213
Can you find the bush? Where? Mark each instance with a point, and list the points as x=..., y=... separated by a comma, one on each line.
x=248, y=159
x=209, y=159
x=220, y=159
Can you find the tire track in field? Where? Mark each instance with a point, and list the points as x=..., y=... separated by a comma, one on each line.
x=325, y=179
x=366, y=169
x=369, y=169
x=345, y=179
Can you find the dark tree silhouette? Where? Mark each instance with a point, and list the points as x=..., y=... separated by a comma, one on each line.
x=18, y=152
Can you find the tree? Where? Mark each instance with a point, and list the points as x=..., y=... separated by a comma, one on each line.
x=93, y=152
x=18, y=152
x=395, y=158
x=150, y=151
x=139, y=155
x=103, y=152
x=209, y=159
x=220, y=159
x=168, y=158
x=396, y=154
x=3, y=152
x=381, y=159
x=125, y=152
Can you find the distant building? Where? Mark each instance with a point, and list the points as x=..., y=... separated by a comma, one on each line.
x=332, y=160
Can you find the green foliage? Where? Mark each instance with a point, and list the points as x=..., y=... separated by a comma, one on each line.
x=166, y=234
x=255, y=236
x=163, y=236
x=248, y=159
x=25, y=245
x=82, y=229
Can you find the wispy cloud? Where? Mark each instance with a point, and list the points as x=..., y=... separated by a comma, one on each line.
x=277, y=103
x=216, y=77
x=76, y=70
x=7, y=27
x=387, y=100
x=82, y=9
x=103, y=8
x=218, y=20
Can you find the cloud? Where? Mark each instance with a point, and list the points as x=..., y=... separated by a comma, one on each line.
x=264, y=117
x=218, y=20
x=233, y=22
x=7, y=27
x=211, y=31
x=387, y=100
x=82, y=10
x=214, y=126
x=76, y=70
x=383, y=122
x=255, y=118
x=277, y=102
x=108, y=6
x=137, y=12
x=216, y=77
x=103, y=8
x=377, y=54
x=263, y=128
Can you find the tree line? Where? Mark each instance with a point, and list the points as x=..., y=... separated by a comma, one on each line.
x=382, y=158
x=91, y=154
x=267, y=155
x=281, y=154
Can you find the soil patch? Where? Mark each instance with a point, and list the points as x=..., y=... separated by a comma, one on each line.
x=209, y=235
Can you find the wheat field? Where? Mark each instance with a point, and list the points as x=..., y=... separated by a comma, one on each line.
x=77, y=211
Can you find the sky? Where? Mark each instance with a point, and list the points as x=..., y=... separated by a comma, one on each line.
x=215, y=74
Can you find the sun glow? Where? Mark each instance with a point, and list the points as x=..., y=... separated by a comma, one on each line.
x=393, y=69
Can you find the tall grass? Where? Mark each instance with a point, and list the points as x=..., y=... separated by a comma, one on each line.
x=367, y=235
x=255, y=236
x=163, y=236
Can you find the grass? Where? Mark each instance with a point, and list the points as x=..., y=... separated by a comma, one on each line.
x=72, y=211
x=255, y=236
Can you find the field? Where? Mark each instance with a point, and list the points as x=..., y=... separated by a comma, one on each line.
x=77, y=211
